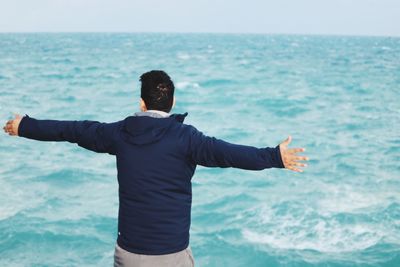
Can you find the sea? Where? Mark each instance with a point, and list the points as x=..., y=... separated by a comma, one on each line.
x=337, y=96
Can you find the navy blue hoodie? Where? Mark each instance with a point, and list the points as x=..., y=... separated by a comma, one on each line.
x=156, y=159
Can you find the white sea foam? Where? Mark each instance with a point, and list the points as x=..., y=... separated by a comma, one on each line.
x=128, y=44
x=308, y=230
x=184, y=56
x=186, y=84
x=345, y=199
x=353, y=199
x=7, y=212
x=113, y=75
x=322, y=237
x=336, y=245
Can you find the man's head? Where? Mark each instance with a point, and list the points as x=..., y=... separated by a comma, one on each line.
x=157, y=91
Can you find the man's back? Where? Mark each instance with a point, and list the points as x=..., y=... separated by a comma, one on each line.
x=154, y=176
x=156, y=159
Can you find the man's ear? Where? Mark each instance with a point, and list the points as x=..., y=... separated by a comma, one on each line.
x=143, y=107
x=173, y=103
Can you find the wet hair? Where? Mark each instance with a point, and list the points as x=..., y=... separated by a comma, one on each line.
x=157, y=90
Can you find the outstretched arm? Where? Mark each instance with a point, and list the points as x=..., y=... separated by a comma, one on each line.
x=92, y=135
x=212, y=152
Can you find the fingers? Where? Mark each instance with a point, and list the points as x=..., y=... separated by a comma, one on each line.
x=292, y=166
x=298, y=164
x=9, y=131
x=8, y=128
x=294, y=169
x=291, y=162
x=301, y=158
x=295, y=150
x=8, y=125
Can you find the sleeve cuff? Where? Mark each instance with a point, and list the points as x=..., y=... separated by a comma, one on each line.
x=278, y=158
x=23, y=125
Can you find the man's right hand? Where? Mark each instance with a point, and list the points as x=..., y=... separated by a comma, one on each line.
x=289, y=156
x=11, y=126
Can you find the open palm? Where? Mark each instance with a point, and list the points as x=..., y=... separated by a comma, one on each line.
x=289, y=156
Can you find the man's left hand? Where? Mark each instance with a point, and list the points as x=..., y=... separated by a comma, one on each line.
x=290, y=158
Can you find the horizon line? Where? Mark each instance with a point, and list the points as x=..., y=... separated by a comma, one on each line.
x=184, y=32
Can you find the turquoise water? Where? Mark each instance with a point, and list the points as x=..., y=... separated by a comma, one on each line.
x=337, y=96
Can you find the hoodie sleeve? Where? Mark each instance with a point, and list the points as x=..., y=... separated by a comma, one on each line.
x=92, y=135
x=212, y=152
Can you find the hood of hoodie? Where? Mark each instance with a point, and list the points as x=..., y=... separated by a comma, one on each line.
x=148, y=127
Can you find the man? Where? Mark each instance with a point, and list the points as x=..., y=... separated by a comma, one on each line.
x=156, y=155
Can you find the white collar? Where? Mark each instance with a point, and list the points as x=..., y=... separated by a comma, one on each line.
x=162, y=113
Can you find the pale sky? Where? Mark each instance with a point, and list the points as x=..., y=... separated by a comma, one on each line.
x=343, y=17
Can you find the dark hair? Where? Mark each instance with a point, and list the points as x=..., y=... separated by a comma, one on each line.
x=157, y=90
